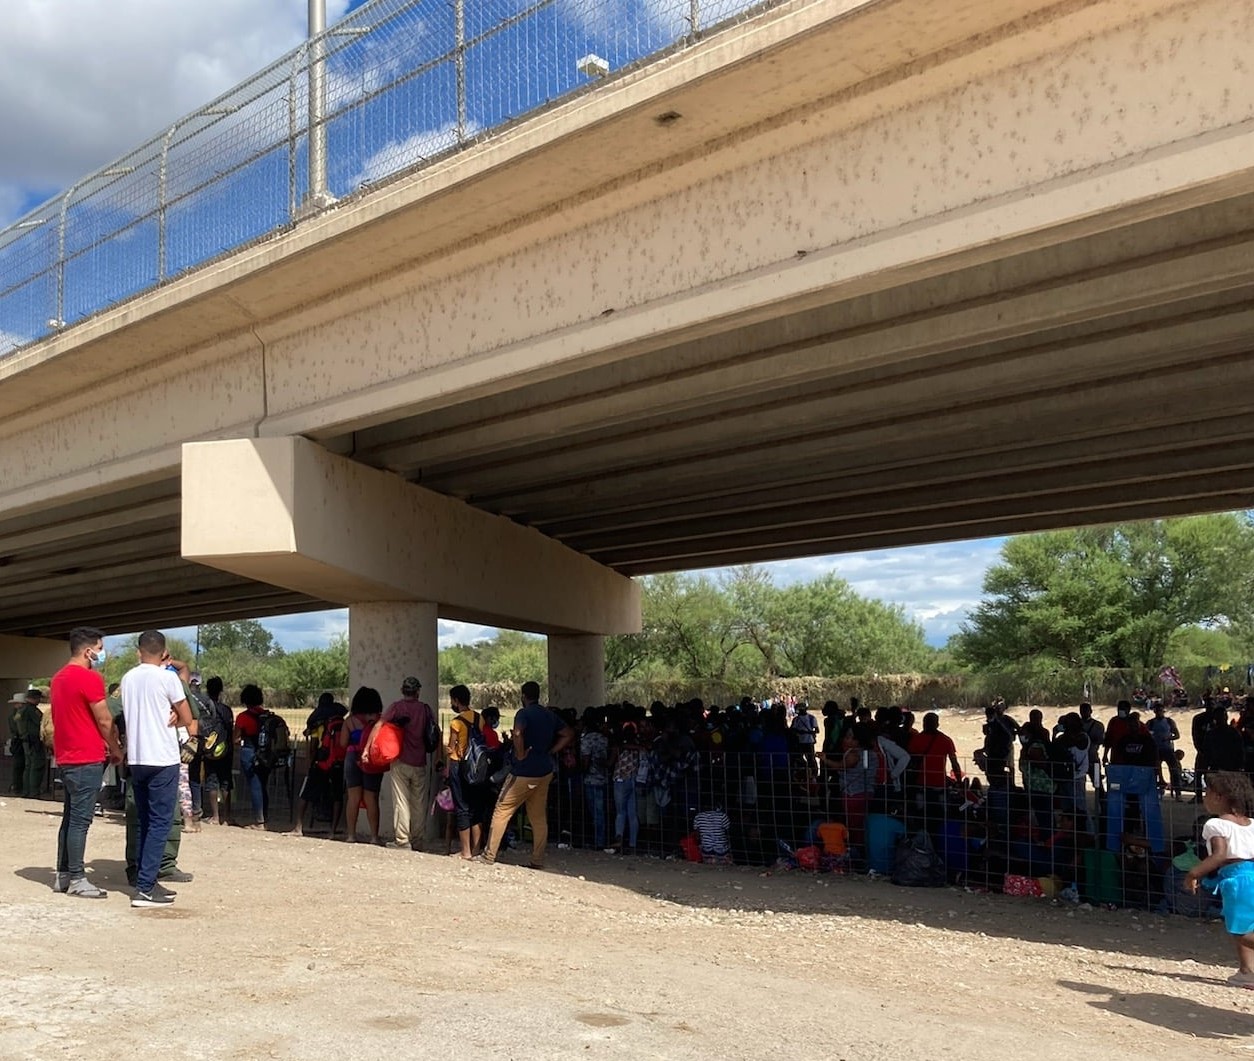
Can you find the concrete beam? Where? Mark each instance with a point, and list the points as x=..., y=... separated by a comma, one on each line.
x=34, y=657
x=326, y=526
x=1012, y=515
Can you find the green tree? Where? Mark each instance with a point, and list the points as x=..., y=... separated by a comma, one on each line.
x=244, y=635
x=1201, y=646
x=310, y=671
x=509, y=656
x=1113, y=596
x=125, y=656
x=693, y=626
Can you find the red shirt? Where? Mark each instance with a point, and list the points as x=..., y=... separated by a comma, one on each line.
x=246, y=725
x=932, y=749
x=76, y=739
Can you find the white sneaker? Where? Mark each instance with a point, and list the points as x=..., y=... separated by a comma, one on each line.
x=60, y=882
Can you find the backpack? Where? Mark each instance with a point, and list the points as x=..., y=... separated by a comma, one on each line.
x=478, y=761
x=213, y=729
x=431, y=736
x=274, y=740
x=380, y=748
x=326, y=743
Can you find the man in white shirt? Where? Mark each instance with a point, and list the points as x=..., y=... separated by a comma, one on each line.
x=153, y=703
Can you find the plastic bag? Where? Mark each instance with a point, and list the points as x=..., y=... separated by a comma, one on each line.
x=917, y=865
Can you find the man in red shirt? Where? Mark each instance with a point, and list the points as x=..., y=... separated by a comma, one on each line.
x=83, y=737
x=929, y=751
x=408, y=775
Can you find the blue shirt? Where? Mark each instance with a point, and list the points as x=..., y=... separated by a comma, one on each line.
x=540, y=727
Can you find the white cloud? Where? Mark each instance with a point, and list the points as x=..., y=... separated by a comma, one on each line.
x=937, y=585
x=83, y=83
x=398, y=155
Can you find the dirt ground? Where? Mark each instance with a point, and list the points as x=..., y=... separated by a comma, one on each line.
x=303, y=948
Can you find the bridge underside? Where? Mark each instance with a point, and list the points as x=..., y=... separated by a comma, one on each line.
x=1090, y=380
x=1100, y=379
x=1042, y=317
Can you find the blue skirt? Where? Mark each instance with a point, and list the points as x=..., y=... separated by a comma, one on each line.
x=1233, y=882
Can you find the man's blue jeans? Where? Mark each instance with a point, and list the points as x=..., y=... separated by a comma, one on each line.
x=1139, y=781
x=82, y=787
x=156, y=799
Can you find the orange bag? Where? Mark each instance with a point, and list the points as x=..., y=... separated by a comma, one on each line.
x=381, y=748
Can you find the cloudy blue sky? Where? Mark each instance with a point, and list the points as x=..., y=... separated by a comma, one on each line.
x=936, y=584
x=84, y=82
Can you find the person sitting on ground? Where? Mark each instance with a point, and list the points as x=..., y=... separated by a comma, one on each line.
x=713, y=828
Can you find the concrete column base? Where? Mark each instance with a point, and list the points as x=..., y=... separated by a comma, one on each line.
x=387, y=642
x=576, y=671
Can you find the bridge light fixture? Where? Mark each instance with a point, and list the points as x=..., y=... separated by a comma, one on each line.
x=592, y=65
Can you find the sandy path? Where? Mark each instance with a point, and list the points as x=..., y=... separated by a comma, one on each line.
x=286, y=948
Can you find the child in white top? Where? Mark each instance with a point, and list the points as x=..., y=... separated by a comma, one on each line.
x=1229, y=866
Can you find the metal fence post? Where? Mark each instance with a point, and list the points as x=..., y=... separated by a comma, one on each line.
x=292, y=130
x=163, y=174
x=317, y=194
x=459, y=53
x=58, y=321
x=694, y=16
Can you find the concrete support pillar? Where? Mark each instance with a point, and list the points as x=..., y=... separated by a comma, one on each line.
x=387, y=642
x=576, y=671
x=38, y=657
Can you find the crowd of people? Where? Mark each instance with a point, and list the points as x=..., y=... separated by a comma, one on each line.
x=763, y=783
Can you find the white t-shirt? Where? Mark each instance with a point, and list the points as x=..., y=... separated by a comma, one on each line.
x=1240, y=837
x=148, y=692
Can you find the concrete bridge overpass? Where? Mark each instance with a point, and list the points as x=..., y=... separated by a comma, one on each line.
x=851, y=273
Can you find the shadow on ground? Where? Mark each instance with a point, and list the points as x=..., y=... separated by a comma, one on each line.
x=1164, y=1011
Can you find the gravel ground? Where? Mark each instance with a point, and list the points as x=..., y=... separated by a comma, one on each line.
x=301, y=948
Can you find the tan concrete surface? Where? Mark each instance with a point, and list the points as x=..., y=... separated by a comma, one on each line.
x=34, y=657
x=323, y=525
x=900, y=272
x=388, y=641
x=576, y=672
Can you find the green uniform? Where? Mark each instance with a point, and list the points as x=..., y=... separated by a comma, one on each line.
x=17, y=745
x=36, y=757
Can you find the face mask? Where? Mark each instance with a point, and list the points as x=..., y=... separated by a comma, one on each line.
x=97, y=657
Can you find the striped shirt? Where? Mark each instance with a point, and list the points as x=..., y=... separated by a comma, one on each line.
x=713, y=826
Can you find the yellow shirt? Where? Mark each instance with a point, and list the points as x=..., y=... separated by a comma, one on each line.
x=459, y=735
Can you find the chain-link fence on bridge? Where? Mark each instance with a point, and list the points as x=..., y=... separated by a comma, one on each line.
x=394, y=86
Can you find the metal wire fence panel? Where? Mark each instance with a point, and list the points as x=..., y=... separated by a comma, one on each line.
x=393, y=86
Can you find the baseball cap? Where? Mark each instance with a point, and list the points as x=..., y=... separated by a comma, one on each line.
x=194, y=679
x=410, y=685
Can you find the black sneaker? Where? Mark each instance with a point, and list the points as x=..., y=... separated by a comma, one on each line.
x=178, y=876
x=155, y=898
